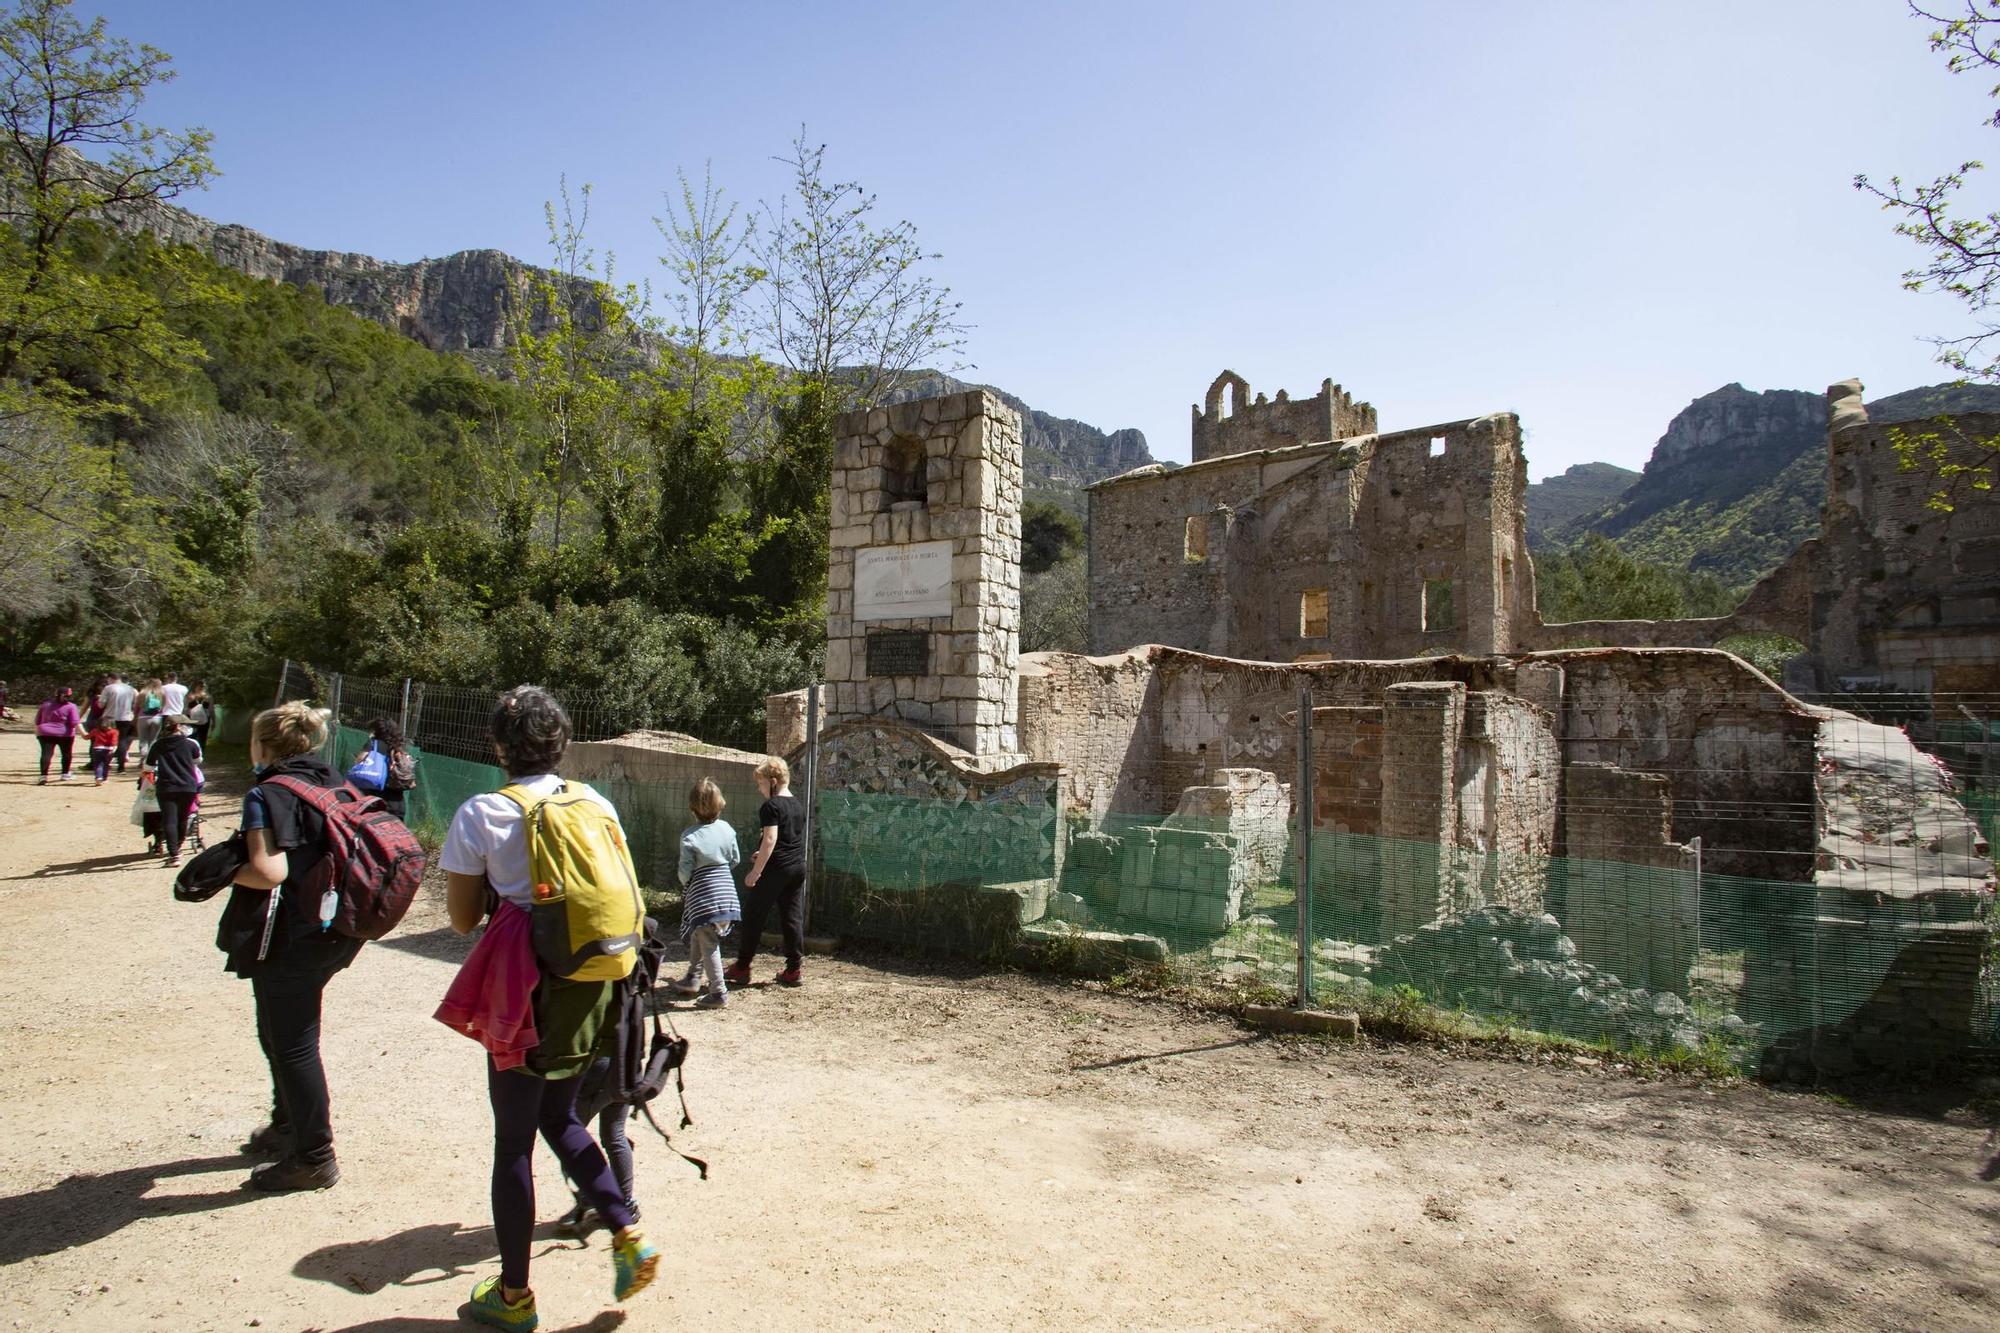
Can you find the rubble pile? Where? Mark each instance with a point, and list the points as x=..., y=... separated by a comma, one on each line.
x=1497, y=960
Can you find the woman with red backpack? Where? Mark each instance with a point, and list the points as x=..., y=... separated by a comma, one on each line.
x=272, y=941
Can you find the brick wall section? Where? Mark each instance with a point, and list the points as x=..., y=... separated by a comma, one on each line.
x=1632, y=894
x=970, y=444
x=1421, y=725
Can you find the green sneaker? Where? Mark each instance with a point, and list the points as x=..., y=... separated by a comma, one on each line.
x=634, y=1264
x=490, y=1307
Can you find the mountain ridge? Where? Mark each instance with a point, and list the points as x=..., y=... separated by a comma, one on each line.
x=478, y=302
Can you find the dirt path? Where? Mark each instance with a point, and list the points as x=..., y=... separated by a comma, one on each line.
x=901, y=1148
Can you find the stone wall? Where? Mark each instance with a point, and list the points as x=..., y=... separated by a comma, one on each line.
x=1903, y=594
x=905, y=478
x=920, y=844
x=1632, y=895
x=1227, y=422
x=1281, y=554
x=1739, y=754
x=648, y=774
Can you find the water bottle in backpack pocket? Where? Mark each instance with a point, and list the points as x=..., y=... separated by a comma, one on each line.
x=372, y=868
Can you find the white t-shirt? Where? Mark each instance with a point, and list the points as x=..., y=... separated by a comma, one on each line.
x=118, y=700
x=173, y=697
x=486, y=839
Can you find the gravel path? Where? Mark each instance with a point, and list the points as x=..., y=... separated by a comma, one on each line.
x=897, y=1146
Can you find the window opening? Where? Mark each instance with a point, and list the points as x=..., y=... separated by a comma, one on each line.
x=1437, y=446
x=1194, y=542
x=1312, y=613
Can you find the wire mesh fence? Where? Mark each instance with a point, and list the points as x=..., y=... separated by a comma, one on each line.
x=1792, y=891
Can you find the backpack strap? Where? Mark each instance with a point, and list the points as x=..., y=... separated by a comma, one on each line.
x=319, y=798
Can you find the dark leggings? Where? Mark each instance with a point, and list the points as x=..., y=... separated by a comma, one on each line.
x=288, y=1011
x=50, y=744
x=785, y=890
x=523, y=1105
x=174, y=818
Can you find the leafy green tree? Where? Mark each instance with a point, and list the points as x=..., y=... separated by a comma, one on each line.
x=1595, y=580
x=1049, y=534
x=1055, y=608
x=1962, y=259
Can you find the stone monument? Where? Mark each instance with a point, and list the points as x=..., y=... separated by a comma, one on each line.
x=923, y=603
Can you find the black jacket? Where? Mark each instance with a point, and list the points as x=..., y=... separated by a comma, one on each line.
x=297, y=829
x=176, y=764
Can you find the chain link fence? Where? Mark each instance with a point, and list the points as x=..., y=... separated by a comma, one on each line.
x=1803, y=904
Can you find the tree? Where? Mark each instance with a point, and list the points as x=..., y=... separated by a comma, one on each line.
x=1055, y=609
x=84, y=330
x=1962, y=259
x=848, y=306
x=1049, y=534
x=75, y=155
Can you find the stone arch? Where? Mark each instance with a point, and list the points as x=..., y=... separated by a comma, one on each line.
x=1239, y=395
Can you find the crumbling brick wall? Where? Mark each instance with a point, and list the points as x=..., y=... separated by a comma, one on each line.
x=1227, y=422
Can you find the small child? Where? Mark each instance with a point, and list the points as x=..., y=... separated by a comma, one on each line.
x=708, y=898
x=103, y=745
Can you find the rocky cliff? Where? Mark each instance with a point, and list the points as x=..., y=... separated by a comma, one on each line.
x=477, y=302
x=1583, y=491
x=1731, y=489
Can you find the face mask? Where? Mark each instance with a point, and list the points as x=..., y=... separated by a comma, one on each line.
x=259, y=770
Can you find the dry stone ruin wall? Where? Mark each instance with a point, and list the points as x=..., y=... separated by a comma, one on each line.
x=1904, y=594
x=1227, y=422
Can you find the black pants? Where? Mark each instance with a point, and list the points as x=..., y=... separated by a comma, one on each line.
x=50, y=744
x=174, y=818
x=784, y=889
x=392, y=797
x=125, y=730
x=200, y=730
x=288, y=1010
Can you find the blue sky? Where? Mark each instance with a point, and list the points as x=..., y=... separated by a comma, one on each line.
x=1586, y=213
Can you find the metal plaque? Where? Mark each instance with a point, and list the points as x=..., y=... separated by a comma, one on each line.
x=905, y=582
x=899, y=652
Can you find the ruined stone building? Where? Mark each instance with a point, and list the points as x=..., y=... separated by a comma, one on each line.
x=1299, y=533
x=1904, y=594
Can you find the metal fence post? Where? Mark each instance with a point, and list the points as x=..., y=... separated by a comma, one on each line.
x=333, y=730
x=1302, y=794
x=284, y=673
x=403, y=716
x=811, y=778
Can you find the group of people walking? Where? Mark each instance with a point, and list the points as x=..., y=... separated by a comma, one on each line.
x=546, y=1033
x=167, y=721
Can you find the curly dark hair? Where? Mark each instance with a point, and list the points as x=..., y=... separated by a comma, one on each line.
x=531, y=731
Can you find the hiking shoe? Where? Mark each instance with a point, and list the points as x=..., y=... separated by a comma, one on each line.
x=274, y=1139
x=295, y=1173
x=789, y=977
x=634, y=1264
x=685, y=986
x=736, y=974
x=489, y=1307
x=171, y=862
x=715, y=999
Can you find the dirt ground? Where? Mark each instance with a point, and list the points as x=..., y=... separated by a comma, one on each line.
x=902, y=1147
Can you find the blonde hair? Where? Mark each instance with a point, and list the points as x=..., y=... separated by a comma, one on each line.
x=289, y=729
x=775, y=771
x=705, y=801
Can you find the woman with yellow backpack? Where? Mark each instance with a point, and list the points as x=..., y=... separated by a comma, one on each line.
x=547, y=859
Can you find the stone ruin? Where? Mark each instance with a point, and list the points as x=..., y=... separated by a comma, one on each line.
x=977, y=798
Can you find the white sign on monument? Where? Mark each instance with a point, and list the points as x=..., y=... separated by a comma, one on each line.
x=902, y=582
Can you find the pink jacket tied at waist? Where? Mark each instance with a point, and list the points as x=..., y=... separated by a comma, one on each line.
x=492, y=999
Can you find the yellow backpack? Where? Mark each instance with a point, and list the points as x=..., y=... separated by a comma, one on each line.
x=588, y=917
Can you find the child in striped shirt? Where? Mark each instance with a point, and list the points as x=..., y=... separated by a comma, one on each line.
x=708, y=901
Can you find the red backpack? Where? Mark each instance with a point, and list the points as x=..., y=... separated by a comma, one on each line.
x=373, y=863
